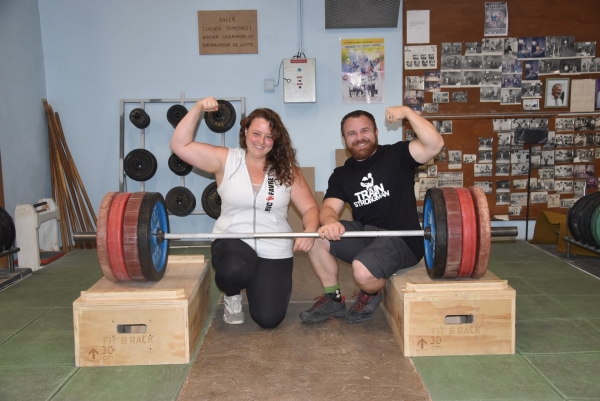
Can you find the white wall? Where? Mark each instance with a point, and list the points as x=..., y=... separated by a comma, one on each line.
x=23, y=132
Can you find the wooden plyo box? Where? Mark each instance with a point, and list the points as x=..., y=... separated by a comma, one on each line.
x=143, y=323
x=450, y=317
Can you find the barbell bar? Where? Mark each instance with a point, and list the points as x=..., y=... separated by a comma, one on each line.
x=495, y=232
x=133, y=233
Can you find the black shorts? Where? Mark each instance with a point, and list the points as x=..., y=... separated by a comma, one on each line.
x=382, y=256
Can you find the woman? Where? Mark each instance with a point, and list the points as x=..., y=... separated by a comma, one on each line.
x=255, y=183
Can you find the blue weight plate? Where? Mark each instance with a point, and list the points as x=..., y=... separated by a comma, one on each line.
x=436, y=247
x=153, y=252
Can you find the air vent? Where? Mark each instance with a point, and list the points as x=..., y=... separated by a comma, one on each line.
x=361, y=13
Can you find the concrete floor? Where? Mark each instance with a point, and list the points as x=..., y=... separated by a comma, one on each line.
x=330, y=360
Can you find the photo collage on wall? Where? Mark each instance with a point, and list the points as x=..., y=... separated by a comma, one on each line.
x=562, y=162
x=511, y=71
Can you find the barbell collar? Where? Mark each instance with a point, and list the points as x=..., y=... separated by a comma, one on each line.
x=495, y=232
x=511, y=231
x=84, y=236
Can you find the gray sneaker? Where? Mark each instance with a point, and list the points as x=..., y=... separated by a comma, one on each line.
x=363, y=307
x=325, y=308
x=233, y=314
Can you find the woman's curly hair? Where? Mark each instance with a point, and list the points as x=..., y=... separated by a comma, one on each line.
x=281, y=160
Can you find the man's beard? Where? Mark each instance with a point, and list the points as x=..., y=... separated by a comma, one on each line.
x=364, y=152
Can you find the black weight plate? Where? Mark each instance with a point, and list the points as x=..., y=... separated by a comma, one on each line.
x=586, y=219
x=178, y=166
x=152, y=251
x=575, y=217
x=3, y=231
x=139, y=118
x=10, y=232
x=176, y=114
x=140, y=165
x=180, y=201
x=572, y=217
x=221, y=120
x=211, y=201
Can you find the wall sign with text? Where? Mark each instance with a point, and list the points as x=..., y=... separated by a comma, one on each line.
x=228, y=32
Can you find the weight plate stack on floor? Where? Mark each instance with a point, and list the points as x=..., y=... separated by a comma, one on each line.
x=153, y=251
x=7, y=231
x=176, y=114
x=140, y=165
x=454, y=232
x=221, y=120
x=180, y=201
x=484, y=232
x=9, y=242
x=469, y=232
x=130, y=236
x=573, y=215
x=102, y=236
x=139, y=118
x=116, y=253
x=436, y=247
x=211, y=201
x=595, y=227
x=178, y=166
x=586, y=219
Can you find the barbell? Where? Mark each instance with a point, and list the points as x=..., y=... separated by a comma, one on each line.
x=133, y=232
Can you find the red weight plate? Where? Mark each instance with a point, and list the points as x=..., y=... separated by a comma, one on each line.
x=130, y=237
x=454, y=231
x=469, y=232
x=101, y=236
x=115, y=236
x=484, y=232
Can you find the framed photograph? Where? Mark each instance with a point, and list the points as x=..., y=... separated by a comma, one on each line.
x=557, y=92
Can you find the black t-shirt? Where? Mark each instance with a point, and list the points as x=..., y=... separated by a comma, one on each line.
x=380, y=190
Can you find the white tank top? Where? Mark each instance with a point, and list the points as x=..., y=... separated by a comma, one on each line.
x=242, y=211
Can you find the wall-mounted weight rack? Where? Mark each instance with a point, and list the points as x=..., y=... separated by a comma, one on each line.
x=142, y=103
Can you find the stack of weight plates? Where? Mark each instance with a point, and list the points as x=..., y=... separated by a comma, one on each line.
x=128, y=248
x=460, y=241
x=584, y=220
x=7, y=231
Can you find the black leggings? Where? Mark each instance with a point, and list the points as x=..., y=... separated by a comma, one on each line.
x=268, y=282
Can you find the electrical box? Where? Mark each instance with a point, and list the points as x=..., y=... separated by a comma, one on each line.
x=299, y=80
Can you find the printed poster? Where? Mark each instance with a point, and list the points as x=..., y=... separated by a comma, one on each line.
x=363, y=71
x=496, y=19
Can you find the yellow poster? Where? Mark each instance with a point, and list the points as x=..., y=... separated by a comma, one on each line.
x=363, y=71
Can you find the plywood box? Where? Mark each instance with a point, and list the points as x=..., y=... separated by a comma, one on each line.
x=144, y=323
x=450, y=317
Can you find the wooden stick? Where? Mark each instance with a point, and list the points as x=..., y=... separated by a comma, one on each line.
x=54, y=179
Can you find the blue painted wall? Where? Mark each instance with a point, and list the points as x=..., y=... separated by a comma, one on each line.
x=23, y=133
x=84, y=57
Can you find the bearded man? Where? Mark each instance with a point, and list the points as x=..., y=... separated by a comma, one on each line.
x=378, y=183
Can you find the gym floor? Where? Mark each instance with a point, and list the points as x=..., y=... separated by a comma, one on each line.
x=557, y=342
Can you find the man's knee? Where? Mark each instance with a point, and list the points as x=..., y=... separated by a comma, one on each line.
x=361, y=273
x=320, y=246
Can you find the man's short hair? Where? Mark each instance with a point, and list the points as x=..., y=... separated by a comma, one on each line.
x=357, y=114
